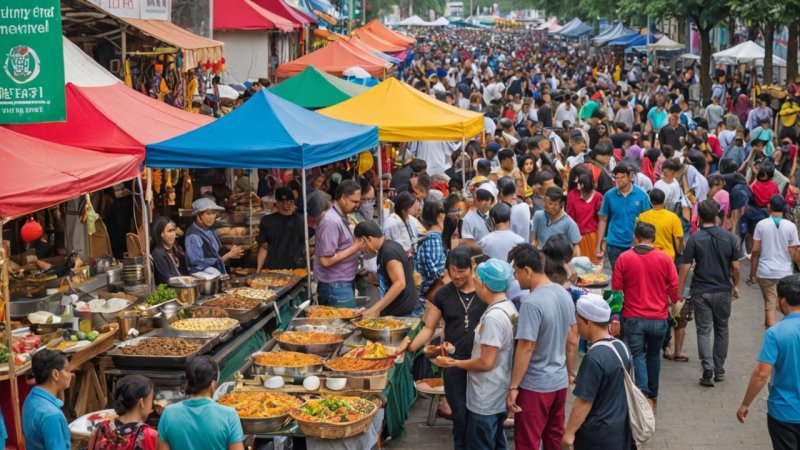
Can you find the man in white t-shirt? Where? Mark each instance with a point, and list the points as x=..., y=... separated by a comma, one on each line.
x=494, y=90
x=674, y=199
x=437, y=154
x=775, y=248
x=566, y=111
x=520, y=211
x=499, y=242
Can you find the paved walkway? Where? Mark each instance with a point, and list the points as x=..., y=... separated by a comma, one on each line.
x=690, y=416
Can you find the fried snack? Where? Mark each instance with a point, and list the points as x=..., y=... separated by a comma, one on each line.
x=286, y=359
x=163, y=346
x=300, y=273
x=254, y=405
x=358, y=364
x=593, y=278
x=330, y=312
x=432, y=382
x=308, y=337
x=205, y=324
x=266, y=281
x=202, y=313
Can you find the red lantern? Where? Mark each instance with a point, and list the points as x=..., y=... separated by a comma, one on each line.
x=31, y=231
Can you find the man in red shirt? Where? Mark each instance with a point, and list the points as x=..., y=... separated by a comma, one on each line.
x=649, y=282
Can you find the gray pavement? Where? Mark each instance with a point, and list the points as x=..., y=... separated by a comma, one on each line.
x=690, y=416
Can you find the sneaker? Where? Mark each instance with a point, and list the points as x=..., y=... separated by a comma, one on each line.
x=707, y=378
x=719, y=377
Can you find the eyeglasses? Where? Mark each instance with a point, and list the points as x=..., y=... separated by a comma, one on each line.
x=355, y=202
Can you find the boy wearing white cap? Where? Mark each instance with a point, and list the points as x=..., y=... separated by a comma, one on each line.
x=489, y=369
x=599, y=417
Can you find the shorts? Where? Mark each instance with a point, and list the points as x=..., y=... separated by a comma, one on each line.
x=687, y=314
x=769, y=291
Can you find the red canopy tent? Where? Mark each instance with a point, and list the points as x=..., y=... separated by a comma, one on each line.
x=378, y=43
x=247, y=15
x=114, y=119
x=334, y=58
x=40, y=174
x=380, y=30
x=281, y=8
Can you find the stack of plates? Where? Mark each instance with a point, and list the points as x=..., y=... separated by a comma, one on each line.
x=133, y=274
x=137, y=290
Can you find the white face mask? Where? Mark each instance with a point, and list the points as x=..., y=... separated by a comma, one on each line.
x=367, y=209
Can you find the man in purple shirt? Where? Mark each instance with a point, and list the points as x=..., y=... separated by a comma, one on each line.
x=336, y=250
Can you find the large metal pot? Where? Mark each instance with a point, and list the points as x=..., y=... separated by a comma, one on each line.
x=187, y=289
x=114, y=274
x=208, y=286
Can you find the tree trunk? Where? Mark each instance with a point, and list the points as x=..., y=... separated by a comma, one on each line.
x=731, y=31
x=791, y=52
x=769, y=38
x=705, y=65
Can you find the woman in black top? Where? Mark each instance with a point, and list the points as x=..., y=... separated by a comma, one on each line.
x=461, y=310
x=169, y=259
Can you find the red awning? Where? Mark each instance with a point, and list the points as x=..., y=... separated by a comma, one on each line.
x=38, y=174
x=282, y=9
x=114, y=119
x=334, y=58
x=246, y=15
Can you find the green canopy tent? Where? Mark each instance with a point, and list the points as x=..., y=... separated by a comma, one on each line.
x=314, y=89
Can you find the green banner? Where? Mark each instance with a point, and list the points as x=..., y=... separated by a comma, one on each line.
x=32, y=57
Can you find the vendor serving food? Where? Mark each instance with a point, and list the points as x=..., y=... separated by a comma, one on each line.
x=168, y=257
x=281, y=237
x=203, y=247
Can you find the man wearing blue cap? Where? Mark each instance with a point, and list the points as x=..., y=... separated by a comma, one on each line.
x=489, y=369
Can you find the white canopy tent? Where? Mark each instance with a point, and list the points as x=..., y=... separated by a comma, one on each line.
x=746, y=52
x=665, y=43
x=416, y=21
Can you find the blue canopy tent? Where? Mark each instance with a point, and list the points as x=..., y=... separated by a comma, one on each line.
x=575, y=31
x=616, y=31
x=631, y=40
x=266, y=131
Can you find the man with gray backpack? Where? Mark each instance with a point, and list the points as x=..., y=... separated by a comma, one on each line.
x=609, y=412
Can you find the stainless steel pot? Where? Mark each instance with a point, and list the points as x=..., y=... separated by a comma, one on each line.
x=187, y=289
x=114, y=274
x=208, y=286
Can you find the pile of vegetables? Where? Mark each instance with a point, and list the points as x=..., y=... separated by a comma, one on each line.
x=4, y=354
x=162, y=294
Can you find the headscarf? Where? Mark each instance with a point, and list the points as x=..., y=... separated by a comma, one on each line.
x=742, y=108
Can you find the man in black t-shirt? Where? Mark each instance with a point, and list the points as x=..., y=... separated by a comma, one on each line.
x=599, y=392
x=281, y=237
x=399, y=296
x=673, y=133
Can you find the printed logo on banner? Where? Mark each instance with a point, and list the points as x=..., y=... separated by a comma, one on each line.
x=22, y=64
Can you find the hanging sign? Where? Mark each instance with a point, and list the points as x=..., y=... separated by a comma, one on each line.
x=32, y=58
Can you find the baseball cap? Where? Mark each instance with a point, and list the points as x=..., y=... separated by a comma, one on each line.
x=205, y=204
x=283, y=193
x=495, y=274
x=489, y=187
x=593, y=307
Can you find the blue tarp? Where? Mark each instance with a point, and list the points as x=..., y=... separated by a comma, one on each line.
x=574, y=28
x=266, y=132
x=635, y=39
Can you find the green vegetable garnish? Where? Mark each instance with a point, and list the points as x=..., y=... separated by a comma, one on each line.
x=162, y=294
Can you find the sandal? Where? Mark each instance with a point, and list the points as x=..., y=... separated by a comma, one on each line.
x=667, y=356
x=681, y=358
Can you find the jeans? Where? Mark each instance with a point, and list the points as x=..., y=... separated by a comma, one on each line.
x=340, y=293
x=645, y=338
x=486, y=432
x=455, y=390
x=712, y=310
x=613, y=253
x=784, y=436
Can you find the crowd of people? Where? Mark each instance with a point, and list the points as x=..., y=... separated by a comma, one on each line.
x=586, y=160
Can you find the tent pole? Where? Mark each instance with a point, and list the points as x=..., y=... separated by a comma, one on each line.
x=380, y=186
x=12, y=370
x=463, y=163
x=308, y=251
x=148, y=278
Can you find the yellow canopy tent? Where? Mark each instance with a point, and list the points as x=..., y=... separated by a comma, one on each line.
x=403, y=114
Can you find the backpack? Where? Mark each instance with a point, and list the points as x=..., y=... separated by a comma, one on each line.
x=640, y=414
x=106, y=437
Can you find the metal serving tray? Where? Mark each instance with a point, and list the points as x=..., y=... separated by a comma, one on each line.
x=156, y=361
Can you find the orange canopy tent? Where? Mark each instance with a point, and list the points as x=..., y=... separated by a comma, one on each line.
x=380, y=30
x=377, y=42
x=334, y=58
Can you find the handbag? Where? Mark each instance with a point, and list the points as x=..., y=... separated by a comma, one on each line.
x=640, y=414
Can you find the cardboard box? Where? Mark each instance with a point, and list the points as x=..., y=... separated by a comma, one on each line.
x=368, y=383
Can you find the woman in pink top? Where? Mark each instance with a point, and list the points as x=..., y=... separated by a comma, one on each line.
x=583, y=203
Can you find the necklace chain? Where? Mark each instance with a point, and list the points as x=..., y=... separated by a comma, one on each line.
x=465, y=305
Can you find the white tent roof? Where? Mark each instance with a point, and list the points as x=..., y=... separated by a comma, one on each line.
x=691, y=56
x=81, y=70
x=441, y=21
x=665, y=43
x=413, y=21
x=550, y=25
x=746, y=52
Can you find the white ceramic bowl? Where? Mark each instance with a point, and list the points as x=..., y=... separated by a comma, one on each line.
x=336, y=384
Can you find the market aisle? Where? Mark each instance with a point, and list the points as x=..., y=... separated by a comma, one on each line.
x=690, y=417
